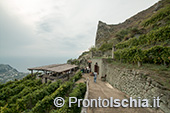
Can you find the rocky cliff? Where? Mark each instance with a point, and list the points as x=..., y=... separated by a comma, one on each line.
x=105, y=33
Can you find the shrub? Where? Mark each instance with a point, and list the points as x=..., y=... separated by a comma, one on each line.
x=106, y=46
x=77, y=92
x=131, y=55
x=92, y=49
x=156, y=55
x=154, y=36
x=161, y=14
x=73, y=61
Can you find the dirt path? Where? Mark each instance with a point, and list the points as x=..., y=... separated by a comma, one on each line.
x=105, y=91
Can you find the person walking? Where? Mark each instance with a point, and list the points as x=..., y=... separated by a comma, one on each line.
x=95, y=76
x=87, y=69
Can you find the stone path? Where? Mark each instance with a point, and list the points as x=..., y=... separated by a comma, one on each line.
x=105, y=91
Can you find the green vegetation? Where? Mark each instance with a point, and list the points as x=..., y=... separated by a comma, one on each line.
x=106, y=46
x=159, y=35
x=121, y=34
x=30, y=95
x=162, y=14
x=156, y=55
x=151, y=47
x=73, y=61
x=93, y=48
x=125, y=34
x=44, y=105
x=8, y=92
x=12, y=84
x=131, y=55
x=78, y=92
x=143, y=42
x=28, y=101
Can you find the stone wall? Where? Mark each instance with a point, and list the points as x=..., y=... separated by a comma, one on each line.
x=97, y=54
x=102, y=53
x=134, y=83
x=107, y=53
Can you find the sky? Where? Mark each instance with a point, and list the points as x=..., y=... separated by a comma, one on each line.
x=42, y=32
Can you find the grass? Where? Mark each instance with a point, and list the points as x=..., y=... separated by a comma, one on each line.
x=159, y=73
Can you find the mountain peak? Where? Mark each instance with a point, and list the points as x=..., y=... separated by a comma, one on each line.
x=8, y=73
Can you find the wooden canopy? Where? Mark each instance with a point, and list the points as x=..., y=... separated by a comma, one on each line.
x=54, y=68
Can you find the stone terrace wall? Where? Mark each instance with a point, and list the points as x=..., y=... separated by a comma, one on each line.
x=102, y=54
x=134, y=83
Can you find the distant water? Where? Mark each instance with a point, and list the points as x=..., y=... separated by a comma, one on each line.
x=22, y=63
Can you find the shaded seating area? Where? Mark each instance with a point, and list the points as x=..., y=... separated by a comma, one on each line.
x=54, y=72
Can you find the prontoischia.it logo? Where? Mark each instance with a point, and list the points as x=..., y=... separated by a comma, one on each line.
x=59, y=102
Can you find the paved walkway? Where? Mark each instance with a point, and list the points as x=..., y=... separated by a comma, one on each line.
x=105, y=91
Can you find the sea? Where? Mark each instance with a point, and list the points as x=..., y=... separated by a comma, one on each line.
x=22, y=63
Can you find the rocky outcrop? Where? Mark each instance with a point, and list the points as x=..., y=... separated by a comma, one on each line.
x=103, y=33
x=84, y=60
x=106, y=32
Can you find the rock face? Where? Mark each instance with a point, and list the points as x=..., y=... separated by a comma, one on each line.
x=103, y=33
x=107, y=32
x=8, y=73
x=84, y=60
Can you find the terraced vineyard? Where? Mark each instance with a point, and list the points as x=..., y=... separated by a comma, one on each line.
x=29, y=95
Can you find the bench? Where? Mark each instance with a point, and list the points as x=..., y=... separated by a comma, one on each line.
x=103, y=78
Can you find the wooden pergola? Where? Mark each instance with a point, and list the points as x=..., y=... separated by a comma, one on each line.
x=49, y=70
x=57, y=68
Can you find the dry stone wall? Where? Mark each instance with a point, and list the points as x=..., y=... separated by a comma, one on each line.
x=134, y=83
x=102, y=53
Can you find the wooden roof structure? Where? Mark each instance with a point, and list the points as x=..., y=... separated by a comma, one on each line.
x=54, y=68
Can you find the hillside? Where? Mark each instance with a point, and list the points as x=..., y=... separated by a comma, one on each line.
x=134, y=56
x=144, y=38
x=142, y=42
x=8, y=73
x=142, y=23
x=30, y=95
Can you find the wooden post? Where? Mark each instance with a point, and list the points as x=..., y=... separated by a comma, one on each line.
x=31, y=72
x=68, y=72
x=139, y=64
x=113, y=50
x=68, y=77
x=164, y=63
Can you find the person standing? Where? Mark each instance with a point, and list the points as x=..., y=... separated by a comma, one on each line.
x=95, y=76
x=87, y=69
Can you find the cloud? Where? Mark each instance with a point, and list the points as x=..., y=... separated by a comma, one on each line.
x=58, y=27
